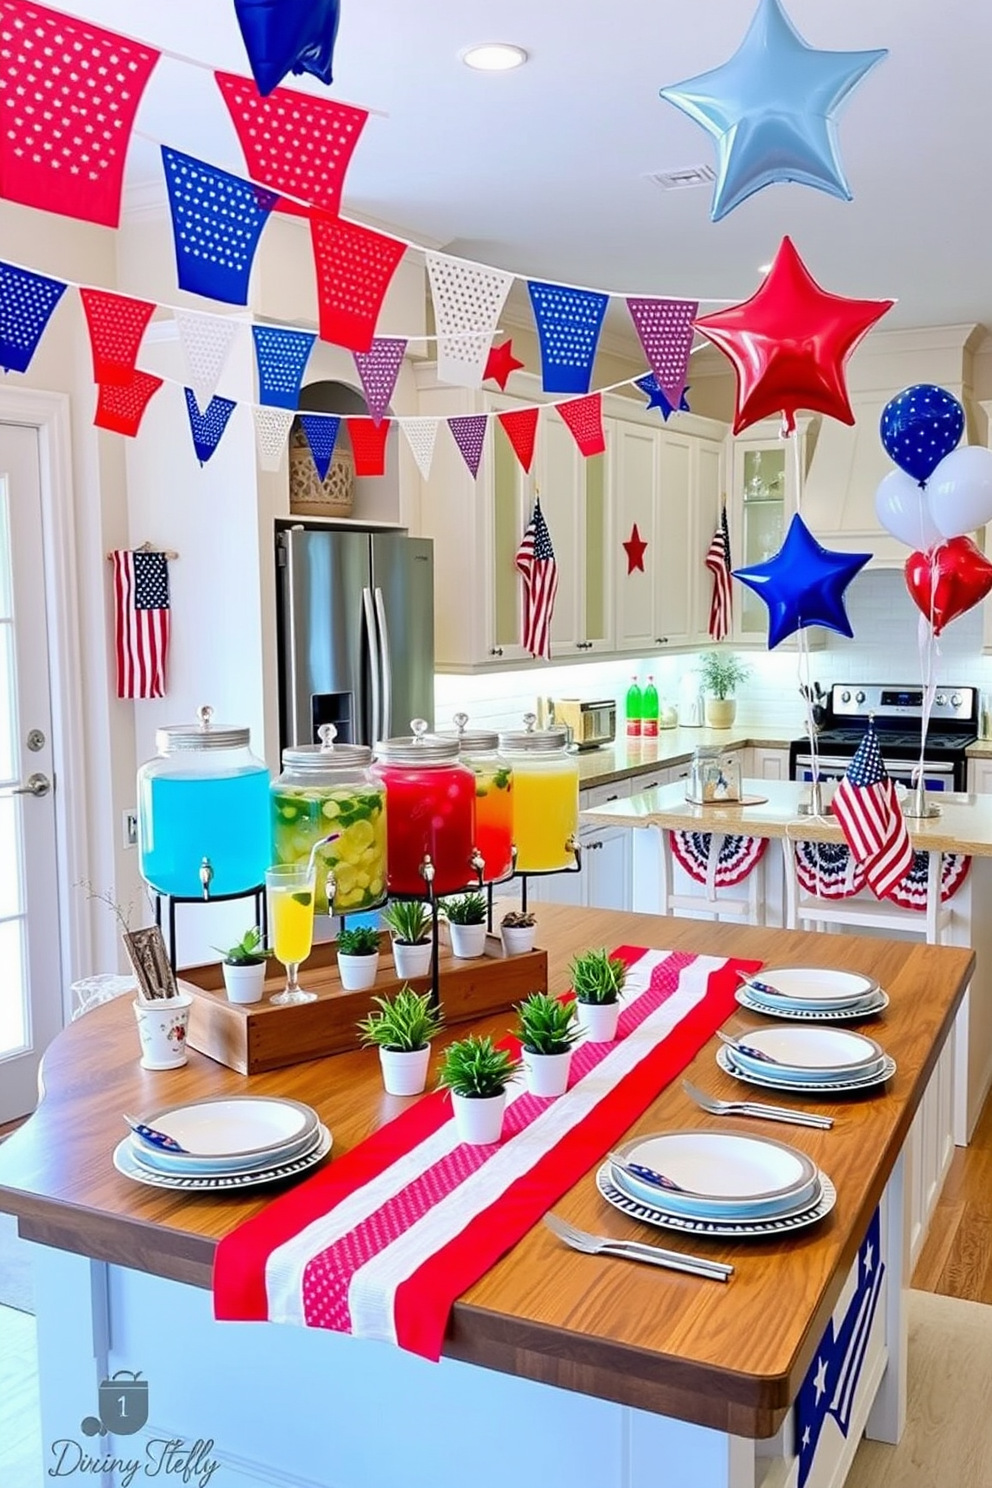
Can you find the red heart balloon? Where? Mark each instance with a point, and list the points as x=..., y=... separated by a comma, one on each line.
x=948, y=580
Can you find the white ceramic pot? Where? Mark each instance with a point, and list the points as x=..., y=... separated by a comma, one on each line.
x=162, y=1029
x=468, y=941
x=720, y=712
x=517, y=939
x=599, y=1020
x=412, y=960
x=404, y=1071
x=479, y=1119
x=358, y=973
x=547, y=1074
x=244, y=983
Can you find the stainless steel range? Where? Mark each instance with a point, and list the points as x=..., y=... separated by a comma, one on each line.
x=898, y=712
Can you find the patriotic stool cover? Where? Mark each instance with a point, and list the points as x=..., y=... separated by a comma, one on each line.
x=828, y=870
x=381, y=1242
x=736, y=857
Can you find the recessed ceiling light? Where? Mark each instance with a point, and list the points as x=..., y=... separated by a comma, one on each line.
x=494, y=56
x=764, y=268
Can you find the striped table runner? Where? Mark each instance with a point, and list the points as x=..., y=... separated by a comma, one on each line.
x=382, y=1241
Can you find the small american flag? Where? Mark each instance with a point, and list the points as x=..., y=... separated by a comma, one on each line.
x=717, y=560
x=865, y=804
x=535, y=559
x=141, y=622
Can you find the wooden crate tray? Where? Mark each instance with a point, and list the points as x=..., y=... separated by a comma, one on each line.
x=257, y=1036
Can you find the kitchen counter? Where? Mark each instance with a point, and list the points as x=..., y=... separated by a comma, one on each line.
x=121, y=1269
x=627, y=758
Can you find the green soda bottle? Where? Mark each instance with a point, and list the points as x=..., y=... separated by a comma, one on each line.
x=649, y=711
x=633, y=709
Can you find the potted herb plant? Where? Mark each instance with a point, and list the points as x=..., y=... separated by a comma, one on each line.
x=477, y=1074
x=244, y=967
x=409, y=921
x=721, y=671
x=466, y=916
x=548, y=1029
x=517, y=930
x=358, y=958
x=402, y=1030
x=597, y=981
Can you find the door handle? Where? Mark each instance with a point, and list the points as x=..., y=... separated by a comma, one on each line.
x=373, y=665
x=35, y=785
x=387, y=668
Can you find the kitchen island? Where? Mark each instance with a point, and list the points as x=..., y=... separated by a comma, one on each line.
x=558, y=1368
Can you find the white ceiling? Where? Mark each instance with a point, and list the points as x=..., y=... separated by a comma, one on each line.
x=542, y=171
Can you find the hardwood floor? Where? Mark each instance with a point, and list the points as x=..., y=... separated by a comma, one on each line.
x=957, y=1257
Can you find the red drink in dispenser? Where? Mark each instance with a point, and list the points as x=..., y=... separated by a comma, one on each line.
x=493, y=797
x=430, y=813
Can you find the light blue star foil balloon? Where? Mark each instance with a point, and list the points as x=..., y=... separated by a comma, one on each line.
x=803, y=584
x=772, y=110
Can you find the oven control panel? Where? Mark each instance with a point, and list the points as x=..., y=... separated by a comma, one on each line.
x=857, y=700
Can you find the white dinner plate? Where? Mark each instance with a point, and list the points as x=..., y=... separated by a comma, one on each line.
x=160, y=1161
x=868, y=1007
x=814, y=986
x=725, y=1059
x=722, y=1174
x=783, y=1224
x=802, y=1053
x=242, y=1126
x=125, y=1163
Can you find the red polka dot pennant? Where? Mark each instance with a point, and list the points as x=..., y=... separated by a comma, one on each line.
x=69, y=92
x=121, y=406
x=584, y=416
x=665, y=331
x=368, y=445
x=354, y=269
x=520, y=426
x=379, y=369
x=117, y=324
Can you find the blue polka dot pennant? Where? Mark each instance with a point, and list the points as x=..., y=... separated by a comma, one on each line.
x=568, y=325
x=217, y=220
x=26, y=304
x=322, y=434
x=282, y=358
x=207, y=428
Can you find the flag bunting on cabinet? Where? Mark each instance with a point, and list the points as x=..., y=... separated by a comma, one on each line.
x=535, y=558
x=718, y=562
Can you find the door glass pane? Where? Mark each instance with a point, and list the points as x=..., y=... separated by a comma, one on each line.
x=764, y=526
x=595, y=595
x=4, y=550
x=10, y=858
x=13, y=1007
x=8, y=706
x=507, y=535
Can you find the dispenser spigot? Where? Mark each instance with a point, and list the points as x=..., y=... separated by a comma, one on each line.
x=572, y=846
x=478, y=862
x=206, y=876
x=427, y=870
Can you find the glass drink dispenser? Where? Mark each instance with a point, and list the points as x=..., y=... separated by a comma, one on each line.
x=430, y=814
x=493, y=797
x=545, y=797
x=203, y=812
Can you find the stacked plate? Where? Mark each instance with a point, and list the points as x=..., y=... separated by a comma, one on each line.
x=223, y=1144
x=806, y=1059
x=716, y=1183
x=815, y=994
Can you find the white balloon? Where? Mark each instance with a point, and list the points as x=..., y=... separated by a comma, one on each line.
x=959, y=493
x=901, y=508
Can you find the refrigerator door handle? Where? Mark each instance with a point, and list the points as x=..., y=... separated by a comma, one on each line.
x=374, y=664
x=387, y=670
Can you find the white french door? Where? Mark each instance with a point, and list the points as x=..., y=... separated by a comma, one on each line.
x=31, y=996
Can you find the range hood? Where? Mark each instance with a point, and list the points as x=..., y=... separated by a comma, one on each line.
x=845, y=465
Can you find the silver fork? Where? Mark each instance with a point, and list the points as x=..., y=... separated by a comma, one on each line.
x=636, y=1250
x=719, y=1107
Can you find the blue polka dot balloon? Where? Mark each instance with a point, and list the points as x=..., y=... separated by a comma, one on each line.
x=919, y=426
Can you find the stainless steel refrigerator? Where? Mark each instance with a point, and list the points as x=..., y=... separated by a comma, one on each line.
x=356, y=633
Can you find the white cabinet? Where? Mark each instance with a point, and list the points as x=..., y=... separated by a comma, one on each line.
x=606, y=867
x=980, y=776
x=766, y=764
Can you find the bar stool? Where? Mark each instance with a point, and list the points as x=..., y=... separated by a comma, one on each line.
x=744, y=902
x=804, y=910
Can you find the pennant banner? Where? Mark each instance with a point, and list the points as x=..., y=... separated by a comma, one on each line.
x=470, y=437
x=117, y=324
x=568, y=324
x=354, y=269
x=322, y=435
x=26, y=304
x=206, y=341
x=217, y=220
x=520, y=425
x=282, y=358
x=272, y=426
x=665, y=331
x=207, y=427
x=584, y=416
x=467, y=298
x=421, y=435
x=368, y=445
x=288, y=36
x=379, y=369
x=69, y=92
x=296, y=144
x=121, y=406
x=655, y=395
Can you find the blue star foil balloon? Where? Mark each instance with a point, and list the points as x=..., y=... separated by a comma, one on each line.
x=283, y=36
x=803, y=584
x=648, y=385
x=772, y=110
x=919, y=426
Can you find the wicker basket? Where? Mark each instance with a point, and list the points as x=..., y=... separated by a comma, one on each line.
x=309, y=496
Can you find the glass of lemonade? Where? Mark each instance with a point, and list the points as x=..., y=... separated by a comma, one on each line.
x=289, y=892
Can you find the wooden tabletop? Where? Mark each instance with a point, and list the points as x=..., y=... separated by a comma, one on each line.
x=730, y=1357
x=964, y=823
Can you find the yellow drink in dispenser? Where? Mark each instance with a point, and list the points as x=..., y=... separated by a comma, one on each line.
x=545, y=798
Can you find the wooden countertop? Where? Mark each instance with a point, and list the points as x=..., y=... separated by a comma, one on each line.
x=964, y=823
x=729, y=1357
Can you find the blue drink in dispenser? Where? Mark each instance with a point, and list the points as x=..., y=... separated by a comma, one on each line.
x=203, y=812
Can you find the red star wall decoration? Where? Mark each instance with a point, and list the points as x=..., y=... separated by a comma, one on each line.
x=500, y=363
x=634, y=548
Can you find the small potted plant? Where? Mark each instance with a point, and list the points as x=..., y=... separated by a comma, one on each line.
x=548, y=1029
x=477, y=1074
x=597, y=981
x=466, y=918
x=244, y=967
x=517, y=930
x=358, y=958
x=720, y=672
x=402, y=1030
x=409, y=921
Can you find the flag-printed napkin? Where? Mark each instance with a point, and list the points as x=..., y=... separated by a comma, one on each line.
x=381, y=1242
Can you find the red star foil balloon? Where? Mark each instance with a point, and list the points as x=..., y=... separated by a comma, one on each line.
x=500, y=363
x=634, y=548
x=790, y=343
